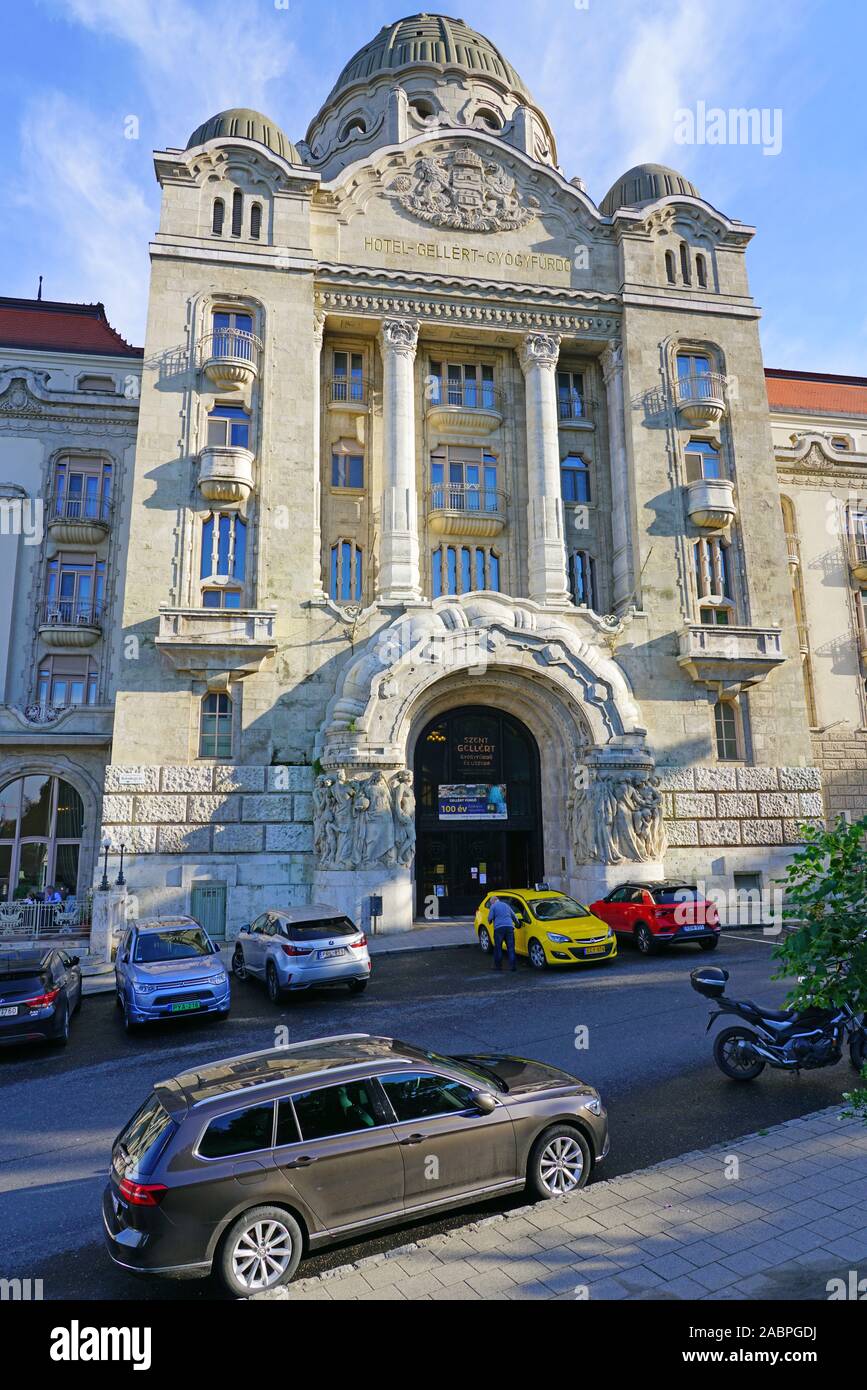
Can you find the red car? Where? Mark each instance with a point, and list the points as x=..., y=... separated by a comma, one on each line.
x=660, y=914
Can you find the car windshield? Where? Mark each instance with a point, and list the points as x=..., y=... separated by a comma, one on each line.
x=556, y=909
x=682, y=894
x=172, y=945
x=476, y=1073
x=322, y=927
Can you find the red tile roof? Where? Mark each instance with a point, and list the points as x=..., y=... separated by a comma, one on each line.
x=47, y=326
x=817, y=392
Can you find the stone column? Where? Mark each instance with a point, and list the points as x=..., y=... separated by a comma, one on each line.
x=318, y=591
x=538, y=354
x=622, y=559
x=399, y=575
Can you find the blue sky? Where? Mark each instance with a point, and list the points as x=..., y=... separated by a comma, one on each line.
x=82, y=202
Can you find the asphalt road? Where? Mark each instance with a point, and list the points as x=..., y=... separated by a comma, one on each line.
x=647, y=1052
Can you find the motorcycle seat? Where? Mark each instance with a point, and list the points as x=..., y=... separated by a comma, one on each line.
x=775, y=1015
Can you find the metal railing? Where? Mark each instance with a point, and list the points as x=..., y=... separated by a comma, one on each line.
x=574, y=406
x=467, y=497
x=25, y=921
x=468, y=395
x=62, y=507
x=230, y=344
x=349, y=390
x=857, y=548
x=62, y=612
x=700, y=386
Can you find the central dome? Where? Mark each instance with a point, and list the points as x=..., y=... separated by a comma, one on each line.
x=431, y=40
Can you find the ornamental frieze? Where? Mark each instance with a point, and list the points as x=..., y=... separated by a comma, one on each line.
x=464, y=191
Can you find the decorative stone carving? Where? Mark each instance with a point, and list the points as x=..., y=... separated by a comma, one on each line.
x=399, y=335
x=465, y=191
x=616, y=815
x=539, y=350
x=364, y=822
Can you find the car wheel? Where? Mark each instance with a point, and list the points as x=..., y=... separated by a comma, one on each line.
x=559, y=1163
x=485, y=940
x=709, y=943
x=61, y=1038
x=260, y=1251
x=357, y=986
x=536, y=954
x=239, y=967
x=275, y=993
x=644, y=939
x=129, y=1022
x=733, y=1055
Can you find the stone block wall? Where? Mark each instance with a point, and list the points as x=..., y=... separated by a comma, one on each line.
x=843, y=761
x=730, y=806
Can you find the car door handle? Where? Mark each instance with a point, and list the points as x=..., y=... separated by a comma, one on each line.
x=303, y=1162
x=413, y=1139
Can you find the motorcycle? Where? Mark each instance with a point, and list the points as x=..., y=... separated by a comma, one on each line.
x=785, y=1038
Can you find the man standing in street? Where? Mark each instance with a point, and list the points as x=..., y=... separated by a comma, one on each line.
x=502, y=919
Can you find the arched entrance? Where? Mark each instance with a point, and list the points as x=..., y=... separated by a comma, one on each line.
x=478, y=808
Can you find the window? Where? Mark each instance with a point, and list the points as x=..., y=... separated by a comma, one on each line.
x=582, y=580
x=215, y=727
x=75, y=589
x=575, y=479
x=570, y=395
x=82, y=489
x=669, y=267
x=695, y=382
x=103, y=385
x=354, y=126
x=223, y=562
x=858, y=534
x=463, y=383
x=347, y=382
x=713, y=580
x=241, y=1132
x=229, y=426
x=463, y=480
x=41, y=825
x=336, y=1110
x=461, y=569
x=347, y=572
x=237, y=213
x=684, y=262
x=489, y=118
x=233, y=334
x=256, y=221
x=422, y=107
x=701, y=270
x=702, y=460
x=347, y=470
x=219, y=214
x=422, y=1096
x=726, y=722
x=67, y=680
x=842, y=442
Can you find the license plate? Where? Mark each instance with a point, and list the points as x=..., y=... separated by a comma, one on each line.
x=698, y=927
x=594, y=950
x=339, y=951
x=7, y=1013
x=185, y=1006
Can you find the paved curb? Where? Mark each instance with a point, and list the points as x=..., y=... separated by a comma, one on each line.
x=592, y=1202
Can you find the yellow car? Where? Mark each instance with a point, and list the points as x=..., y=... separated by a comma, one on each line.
x=551, y=928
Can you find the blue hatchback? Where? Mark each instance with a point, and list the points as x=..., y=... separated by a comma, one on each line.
x=167, y=967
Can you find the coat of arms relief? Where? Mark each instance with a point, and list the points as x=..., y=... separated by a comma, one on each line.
x=463, y=190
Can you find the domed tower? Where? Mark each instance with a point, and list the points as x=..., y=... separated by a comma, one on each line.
x=424, y=73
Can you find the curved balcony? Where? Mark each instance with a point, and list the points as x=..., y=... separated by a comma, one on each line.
x=710, y=502
x=465, y=407
x=466, y=509
x=225, y=473
x=65, y=623
x=82, y=522
x=351, y=393
x=576, y=412
x=230, y=358
x=701, y=399
x=857, y=551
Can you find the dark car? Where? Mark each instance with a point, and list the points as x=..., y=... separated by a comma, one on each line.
x=40, y=990
x=659, y=914
x=240, y=1166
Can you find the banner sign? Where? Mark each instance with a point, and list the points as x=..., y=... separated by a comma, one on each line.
x=472, y=801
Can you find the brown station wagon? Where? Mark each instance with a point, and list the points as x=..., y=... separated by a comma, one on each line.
x=242, y=1166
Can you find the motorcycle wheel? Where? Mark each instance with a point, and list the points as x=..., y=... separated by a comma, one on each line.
x=858, y=1051
x=727, y=1053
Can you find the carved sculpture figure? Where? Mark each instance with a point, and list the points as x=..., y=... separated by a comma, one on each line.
x=617, y=817
x=363, y=822
x=403, y=799
x=462, y=190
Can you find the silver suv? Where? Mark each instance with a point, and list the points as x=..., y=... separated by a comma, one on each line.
x=297, y=948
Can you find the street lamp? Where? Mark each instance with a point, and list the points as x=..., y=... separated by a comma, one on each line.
x=104, y=886
x=120, y=881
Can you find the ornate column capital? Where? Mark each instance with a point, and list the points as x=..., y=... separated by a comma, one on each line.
x=399, y=336
x=612, y=361
x=318, y=328
x=539, y=350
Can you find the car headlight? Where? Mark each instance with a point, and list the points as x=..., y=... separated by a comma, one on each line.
x=556, y=936
x=145, y=989
x=594, y=1105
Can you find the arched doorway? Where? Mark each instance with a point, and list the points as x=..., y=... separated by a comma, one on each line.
x=41, y=829
x=478, y=816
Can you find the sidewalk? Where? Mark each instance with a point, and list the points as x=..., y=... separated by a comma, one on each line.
x=794, y=1218
x=424, y=937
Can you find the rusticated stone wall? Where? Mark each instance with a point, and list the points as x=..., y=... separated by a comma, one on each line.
x=728, y=806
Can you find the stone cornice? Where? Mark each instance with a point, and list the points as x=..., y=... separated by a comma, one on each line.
x=25, y=397
x=814, y=454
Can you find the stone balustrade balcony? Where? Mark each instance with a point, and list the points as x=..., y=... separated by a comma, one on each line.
x=701, y=399
x=710, y=502
x=203, y=642
x=70, y=623
x=225, y=473
x=729, y=658
x=230, y=358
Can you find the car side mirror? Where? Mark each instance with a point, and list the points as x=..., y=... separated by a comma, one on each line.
x=484, y=1102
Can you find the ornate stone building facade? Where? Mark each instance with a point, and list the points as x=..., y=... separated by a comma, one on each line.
x=456, y=552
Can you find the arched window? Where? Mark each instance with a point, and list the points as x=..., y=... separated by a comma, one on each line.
x=215, y=727
x=422, y=107
x=701, y=270
x=489, y=118
x=575, y=479
x=237, y=213
x=670, y=274
x=223, y=562
x=354, y=126
x=684, y=262
x=256, y=221
x=41, y=825
x=459, y=569
x=218, y=216
x=582, y=580
x=347, y=572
